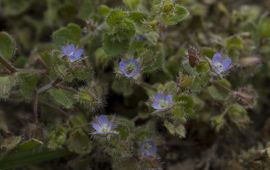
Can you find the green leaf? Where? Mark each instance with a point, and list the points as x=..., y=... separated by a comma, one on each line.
x=131, y=3
x=101, y=58
x=79, y=143
x=152, y=37
x=67, y=11
x=69, y=34
x=178, y=113
x=91, y=97
x=218, y=122
x=122, y=86
x=62, y=97
x=86, y=9
x=202, y=67
x=238, y=115
x=208, y=52
x=116, y=17
x=28, y=84
x=170, y=127
x=57, y=138
x=124, y=127
x=178, y=130
x=6, y=84
x=15, y=7
x=179, y=14
x=7, y=45
x=152, y=60
x=263, y=28
x=29, y=145
x=186, y=103
x=20, y=159
x=114, y=47
x=104, y=10
x=215, y=93
x=137, y=17
x=78, y=121
x=234, y=43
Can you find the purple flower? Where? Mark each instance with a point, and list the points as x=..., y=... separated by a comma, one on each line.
x=162, y=101
x=103, y=125
x=148, y=149
x=130, y=67
x=72, y=52
x=219, y=64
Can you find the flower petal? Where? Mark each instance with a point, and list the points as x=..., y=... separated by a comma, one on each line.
x=78, y=53
x=96, y=126
x=122, y=66
x=226, y=63
x=64, y=51
x=148, y=149
x=217, y=57
x=70, y=49
x=103, y=119
x=169, y=99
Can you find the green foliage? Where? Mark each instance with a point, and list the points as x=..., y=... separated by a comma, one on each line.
x=216, y=93
x=28, y=84
x=175, y=15
x=30, y=144
x=79, y=142
x=131, y=3
x=7, y=45
x=263, y=28
x=234, y=43
x=57, y=138
x=122, y=86
x=15, y=7
x=69, y=34
x=178, y=130
x=86, y=9
x=62, y=97
x=238, y=115
x=117, y=39
x=175, y=98
x=6, y=85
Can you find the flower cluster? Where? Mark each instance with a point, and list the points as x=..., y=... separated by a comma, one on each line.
x=148, y=150
x=219, y=64
x=130, y=68
x=103, y=126
x=162, y=101
x=72, y=52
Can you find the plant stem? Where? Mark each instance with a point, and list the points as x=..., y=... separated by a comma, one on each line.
x=145, y=85
x=48, y=86
x=35, y=108
x=7, y=65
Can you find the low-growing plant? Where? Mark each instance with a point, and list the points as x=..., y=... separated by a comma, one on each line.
x=125, y=84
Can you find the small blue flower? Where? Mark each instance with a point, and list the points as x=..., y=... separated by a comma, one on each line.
x=130, y=67
x=72, y=52
x=219, y=64
x=162, y=101
x=148, y=149
x=103, y=125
